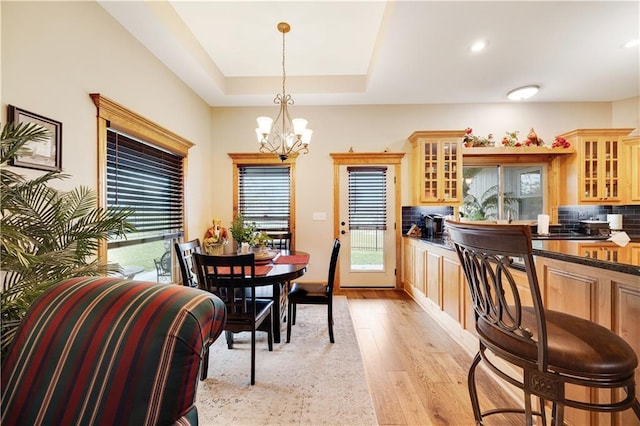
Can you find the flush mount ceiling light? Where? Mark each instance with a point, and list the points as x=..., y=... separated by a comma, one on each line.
x=522, y=93
x=478, y=45
x=286, y=136
x=632, y=43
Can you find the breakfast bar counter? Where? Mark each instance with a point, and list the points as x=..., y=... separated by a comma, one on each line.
x=594, y=279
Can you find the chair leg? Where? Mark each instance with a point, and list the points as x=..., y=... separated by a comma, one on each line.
x=253, y=356
x=330, y=319
x=205, y=365
x=229, y=336
x=270, y=332
x=289, y=320
x=473, y=392
x=527, y=409
x=636, y=408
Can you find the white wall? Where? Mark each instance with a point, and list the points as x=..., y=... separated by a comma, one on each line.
x=55, y=53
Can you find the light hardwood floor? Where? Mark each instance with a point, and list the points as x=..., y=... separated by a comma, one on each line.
x=416, y=373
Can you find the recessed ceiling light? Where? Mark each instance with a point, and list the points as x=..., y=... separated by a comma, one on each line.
x=522, y=93
x=632, y=43
x=478, y=45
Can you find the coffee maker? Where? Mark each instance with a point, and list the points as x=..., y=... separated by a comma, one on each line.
x=433, y=225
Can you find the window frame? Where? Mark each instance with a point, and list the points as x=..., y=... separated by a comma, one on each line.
x=111, y=114
x=262, y=160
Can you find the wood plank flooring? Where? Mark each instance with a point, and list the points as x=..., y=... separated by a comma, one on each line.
x=416, y=373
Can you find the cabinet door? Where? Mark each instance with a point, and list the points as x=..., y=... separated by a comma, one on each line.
x=600, y=170
x=437, y=167
x=606, y=251
x=598, y=173
x=632, y=170
x=408, y=264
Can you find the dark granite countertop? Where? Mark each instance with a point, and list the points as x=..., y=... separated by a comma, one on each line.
x=595, y=252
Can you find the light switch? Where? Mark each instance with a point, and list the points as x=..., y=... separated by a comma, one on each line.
x=319, y=216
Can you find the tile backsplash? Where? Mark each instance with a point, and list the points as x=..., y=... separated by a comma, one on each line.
x=415, y=215
x=570, y=216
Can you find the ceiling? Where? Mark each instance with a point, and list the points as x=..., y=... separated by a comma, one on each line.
x=391, y=52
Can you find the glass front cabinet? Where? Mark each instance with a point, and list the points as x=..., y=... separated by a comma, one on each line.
x=600, y=166
x=437, y=167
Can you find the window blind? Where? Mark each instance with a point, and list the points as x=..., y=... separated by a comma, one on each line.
x=265, y=196
x=150, y=181
x=367, y=197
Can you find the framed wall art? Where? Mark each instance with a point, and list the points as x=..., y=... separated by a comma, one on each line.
x=44, y=155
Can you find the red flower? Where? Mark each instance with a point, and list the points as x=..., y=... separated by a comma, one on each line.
x=468, y=130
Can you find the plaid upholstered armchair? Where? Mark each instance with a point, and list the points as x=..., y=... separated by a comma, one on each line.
x=110, y=351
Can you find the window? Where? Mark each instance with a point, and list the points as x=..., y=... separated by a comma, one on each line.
x=141, y=165
x=264, y=196
x=367, y=216
x=264, y=191
x=150, y=181
x=502, y=191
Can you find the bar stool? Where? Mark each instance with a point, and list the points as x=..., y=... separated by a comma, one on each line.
x=552, y=349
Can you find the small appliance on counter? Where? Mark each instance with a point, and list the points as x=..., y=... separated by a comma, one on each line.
x=594, y=227
x=433, y=225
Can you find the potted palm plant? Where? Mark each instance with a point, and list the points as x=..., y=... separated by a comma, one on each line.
x=46, y=235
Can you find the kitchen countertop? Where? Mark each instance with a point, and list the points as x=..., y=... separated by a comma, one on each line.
x=586, y=250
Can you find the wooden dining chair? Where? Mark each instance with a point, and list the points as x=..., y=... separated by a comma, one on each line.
x=279, y=240
x=314, y=293
x=553, y=350
x=185, y=252
x=231, y=278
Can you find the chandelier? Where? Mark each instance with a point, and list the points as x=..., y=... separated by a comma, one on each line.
x=282, y=135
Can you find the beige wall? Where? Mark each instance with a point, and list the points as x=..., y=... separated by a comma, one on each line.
x=55, y=53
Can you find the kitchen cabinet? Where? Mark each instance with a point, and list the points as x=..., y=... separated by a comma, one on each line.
x=596, y=175
x=632, y=146
x=437, y=167
x=609, y=298
x=606, y=251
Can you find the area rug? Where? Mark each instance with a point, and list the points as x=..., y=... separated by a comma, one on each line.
x=306, y=382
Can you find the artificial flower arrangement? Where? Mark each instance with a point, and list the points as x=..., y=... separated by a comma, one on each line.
x=472, y=140
x=559, y=142
x=510, y=139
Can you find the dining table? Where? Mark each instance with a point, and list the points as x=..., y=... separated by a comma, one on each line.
x=272, y=281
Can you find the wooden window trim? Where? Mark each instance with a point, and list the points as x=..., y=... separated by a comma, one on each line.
x=111, y=114
x=244, y=159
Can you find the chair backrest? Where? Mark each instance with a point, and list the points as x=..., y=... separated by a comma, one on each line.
x=184, y=252
x=109, y=351
x=335, y=251
x=229, y=277
x=485, y=252
x=280, y=240
x=163, y=266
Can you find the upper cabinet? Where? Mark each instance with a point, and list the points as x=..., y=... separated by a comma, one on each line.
x=632, y=160
x=597, y=174
x=437, y=167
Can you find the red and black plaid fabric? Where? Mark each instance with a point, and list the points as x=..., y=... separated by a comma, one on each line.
x=110, y=351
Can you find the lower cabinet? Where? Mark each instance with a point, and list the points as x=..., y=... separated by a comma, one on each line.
x=434, y=278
